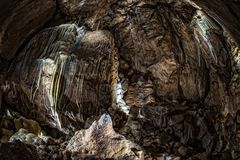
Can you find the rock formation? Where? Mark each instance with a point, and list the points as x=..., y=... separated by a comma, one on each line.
x=101, y=141
x=18, y=150
x=162, y=75
x=70, y=70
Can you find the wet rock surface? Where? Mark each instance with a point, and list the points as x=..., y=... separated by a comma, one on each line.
x=130, y=79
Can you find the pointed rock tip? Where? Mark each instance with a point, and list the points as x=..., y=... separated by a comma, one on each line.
x=105, y=119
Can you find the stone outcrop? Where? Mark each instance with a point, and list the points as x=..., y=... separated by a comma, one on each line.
x=183, y=130
x=45, y=147
x=101, y=141
x=177, y=53
x=30, y=125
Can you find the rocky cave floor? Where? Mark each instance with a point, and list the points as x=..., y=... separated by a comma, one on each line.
x=119, y=79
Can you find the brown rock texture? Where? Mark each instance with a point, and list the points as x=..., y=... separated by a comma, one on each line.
x=75, y=70
x=19, y=19
x=45, y=147
x=225, y=12
x=166, y=71
x=101, y=141
x=17, y=150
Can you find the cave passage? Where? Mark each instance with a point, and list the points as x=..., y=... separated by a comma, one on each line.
x=120, y=79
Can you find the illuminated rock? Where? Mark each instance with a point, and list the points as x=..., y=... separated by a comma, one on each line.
x=65, y=75
x=101, y=141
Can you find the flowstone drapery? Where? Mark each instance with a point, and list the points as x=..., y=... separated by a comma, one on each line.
x=66, y=75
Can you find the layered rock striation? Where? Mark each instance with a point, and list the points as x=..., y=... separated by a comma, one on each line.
x=162, y=74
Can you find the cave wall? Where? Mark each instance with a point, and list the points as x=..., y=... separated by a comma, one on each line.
x=166, y=71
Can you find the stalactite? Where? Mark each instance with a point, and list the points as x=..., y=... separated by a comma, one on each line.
x=203, y=26
x=67, y=74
